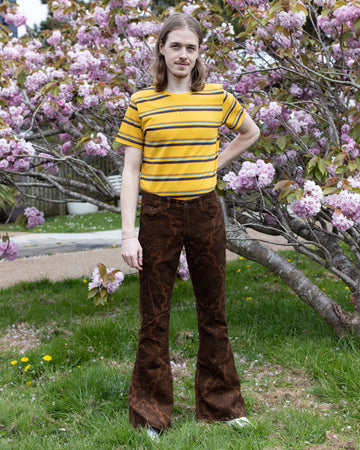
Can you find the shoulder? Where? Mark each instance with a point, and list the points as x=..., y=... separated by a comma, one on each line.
x=212, y=92
x=143, y=94
x=216, y=93
x=146, y=97
x=213, y=88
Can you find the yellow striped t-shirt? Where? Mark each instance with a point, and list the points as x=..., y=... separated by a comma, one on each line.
x=179, y=137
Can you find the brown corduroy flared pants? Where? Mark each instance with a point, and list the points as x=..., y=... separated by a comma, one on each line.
x=166, y=225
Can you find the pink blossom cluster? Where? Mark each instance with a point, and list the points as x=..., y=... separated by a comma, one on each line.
x=354, y=181
x=326, y=3
x=67, y=143
x=48, y=163
x=98, y=146
x=261, y=4
x=346, y=207
x=340, y=18
x=13, y=117
x=101, y=16
x=340, y=221
x=310, y=203
x=36, y=80
x=190, y=8
x=250, y=81
x=291, y=19
x=300, y=121
x=348, y=146
x=351, y=147
x=110, y=286
x=250, y=177
x=9, y=250
x=296, y=90
x=13, y=17
x=82, y=61
x=183, y=268
x=347, y=14
x=143, y=29
x=55, y=38
x=15, y=154
x=349, y=54
x=283, y=41
x=59, y=8
x=270, y=115
x=284, y=158
x=135, y=3
x=253, y=46
x=35, y=218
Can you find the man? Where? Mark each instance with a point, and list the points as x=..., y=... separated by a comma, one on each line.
x=171, y=133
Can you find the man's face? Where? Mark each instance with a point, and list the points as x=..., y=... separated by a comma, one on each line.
x=180, y=51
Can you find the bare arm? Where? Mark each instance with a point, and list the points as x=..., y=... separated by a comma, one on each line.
x=248, y=134
x=131, y=249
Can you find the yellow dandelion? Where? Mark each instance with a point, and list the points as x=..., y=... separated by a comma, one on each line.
x=85, y=281
x=114, y=245
x=28, y=383
x=54, y=228
x=288, y=259
x=248, y=298
x=347, y=287
x=13, y=362
x=24, y=359
x=248, y=265
x=47, y=358
x=78, y=366
x=27, y=368
x=239, y=270
x=324, y=289
x=241, y=257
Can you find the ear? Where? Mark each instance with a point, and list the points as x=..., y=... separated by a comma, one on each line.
x=161, y=47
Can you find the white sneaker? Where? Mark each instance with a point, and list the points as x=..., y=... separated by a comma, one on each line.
x=240, y=422
x=153, y=434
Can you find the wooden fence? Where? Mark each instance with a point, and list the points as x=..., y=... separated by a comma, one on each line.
x=51, y=208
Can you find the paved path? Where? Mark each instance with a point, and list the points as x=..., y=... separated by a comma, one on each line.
x=32, y=244
x=57, y=256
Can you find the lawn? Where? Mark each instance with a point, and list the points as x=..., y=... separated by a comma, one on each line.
x=82, y=223
x=66, y=366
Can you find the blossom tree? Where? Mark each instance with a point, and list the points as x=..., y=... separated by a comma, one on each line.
x=300, y=79
x=64, y=93
x=293, y=64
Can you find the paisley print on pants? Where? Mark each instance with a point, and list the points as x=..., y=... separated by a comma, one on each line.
x=166, y=225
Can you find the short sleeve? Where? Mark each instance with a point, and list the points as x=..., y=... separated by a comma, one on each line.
x=130, y=132
x=233, y=112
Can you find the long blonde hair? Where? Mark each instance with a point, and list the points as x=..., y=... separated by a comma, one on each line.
x=176, y=22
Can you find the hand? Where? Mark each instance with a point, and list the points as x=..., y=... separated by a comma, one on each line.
x=131, y=251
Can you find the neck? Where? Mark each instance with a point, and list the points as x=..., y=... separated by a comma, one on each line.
x=178, y=85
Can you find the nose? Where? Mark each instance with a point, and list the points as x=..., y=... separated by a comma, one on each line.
x=183, y=53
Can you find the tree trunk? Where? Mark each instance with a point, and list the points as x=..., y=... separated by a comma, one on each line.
x=240, y=242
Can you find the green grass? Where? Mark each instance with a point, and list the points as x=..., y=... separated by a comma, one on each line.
x=300, y=380
x=99, y=221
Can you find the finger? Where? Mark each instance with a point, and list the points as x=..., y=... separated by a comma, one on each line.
x=135, y=263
